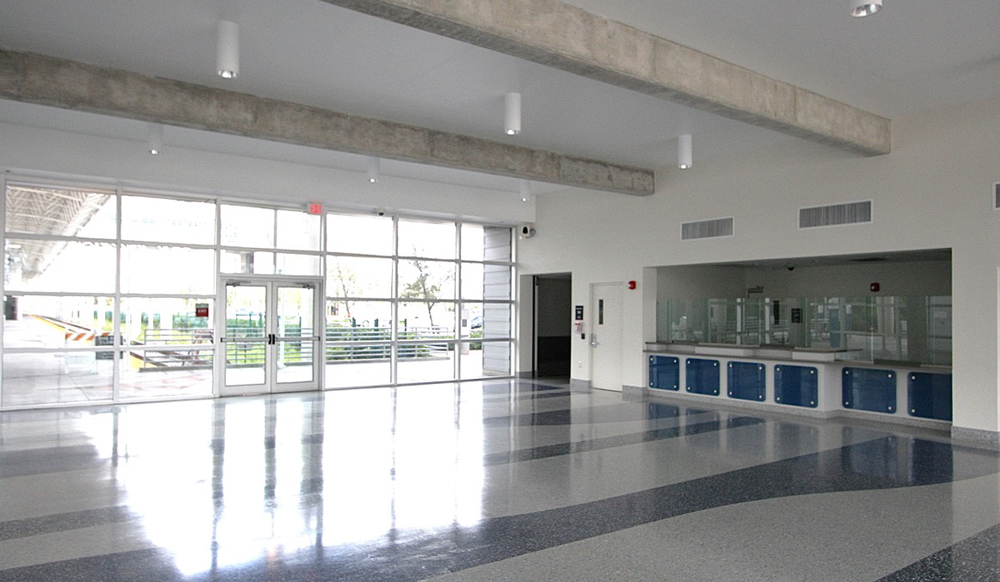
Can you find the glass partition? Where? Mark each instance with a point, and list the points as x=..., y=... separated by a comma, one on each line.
x=915, y=330
x=717, y=321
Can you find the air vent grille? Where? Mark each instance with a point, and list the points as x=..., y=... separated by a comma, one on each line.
x=707, y=228
x=996, y=195
x=838, y=214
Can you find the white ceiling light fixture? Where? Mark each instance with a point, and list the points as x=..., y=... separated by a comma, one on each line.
x=512, y=113
x=227, y=54
x=525, y=189
x=374, y=170
x=861, y=8
x=154, y=139
x=684, y=152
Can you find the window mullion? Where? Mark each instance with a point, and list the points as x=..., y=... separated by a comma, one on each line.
x=117, y=304
x=394, y=332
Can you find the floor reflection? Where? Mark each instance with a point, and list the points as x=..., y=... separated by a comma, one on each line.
x=407, y=483
x=262, y=479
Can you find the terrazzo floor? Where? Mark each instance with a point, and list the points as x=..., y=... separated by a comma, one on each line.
x=496, y=480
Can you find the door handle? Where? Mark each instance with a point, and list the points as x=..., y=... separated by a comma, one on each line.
x=593, y=340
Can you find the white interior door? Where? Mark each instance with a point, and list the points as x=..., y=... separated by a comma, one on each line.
x=270, y=336
x=606, y=336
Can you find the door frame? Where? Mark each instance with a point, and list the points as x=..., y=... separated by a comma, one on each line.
x=538, y=305
x=619, y=290
x=272, y=282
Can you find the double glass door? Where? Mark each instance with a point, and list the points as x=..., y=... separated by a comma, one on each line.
x=271, y=335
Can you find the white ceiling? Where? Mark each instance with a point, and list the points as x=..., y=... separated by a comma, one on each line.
x=914, y=56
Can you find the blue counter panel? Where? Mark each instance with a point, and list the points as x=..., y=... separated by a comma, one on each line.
x=796, y=386
x=664, y=372
x=929, y=395
x=868, y=389
x=702, y=376
x=746, y=381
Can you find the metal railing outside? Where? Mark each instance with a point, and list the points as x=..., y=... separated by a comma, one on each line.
x=354, y=343
x=190, y=356
x=246, y=345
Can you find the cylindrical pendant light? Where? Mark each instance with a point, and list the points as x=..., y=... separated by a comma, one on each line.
x=373, y=170
x=525, y=188
x=227, y=54
x=512, y=114
x=154, y=139
x=684, y=154
x=865, y=7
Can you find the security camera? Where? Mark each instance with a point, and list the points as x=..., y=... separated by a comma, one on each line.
x=526, y=231
x=791, y=267
x=380, y=212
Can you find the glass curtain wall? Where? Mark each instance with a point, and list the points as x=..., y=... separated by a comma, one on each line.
x=413, y=301
x=111, y=295
x=167, y=266
x=58, y=310
x=101, y=297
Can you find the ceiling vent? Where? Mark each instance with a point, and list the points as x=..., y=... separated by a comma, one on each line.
x=707, y=228
x=996, y=195
x=836, y=215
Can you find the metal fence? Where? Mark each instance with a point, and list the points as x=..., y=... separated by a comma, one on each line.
x=343, y=344
x=358, y=343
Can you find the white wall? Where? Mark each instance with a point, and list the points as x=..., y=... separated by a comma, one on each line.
x=912, y=279
x=933, y=191
x=695, y=282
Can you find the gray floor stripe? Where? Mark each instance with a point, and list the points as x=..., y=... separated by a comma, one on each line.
x=974, y=558
x=401, y=556
x=555, y=450
x=23, y=528
x=75, y=520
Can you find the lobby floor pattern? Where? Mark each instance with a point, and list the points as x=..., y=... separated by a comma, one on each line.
x=492, y=480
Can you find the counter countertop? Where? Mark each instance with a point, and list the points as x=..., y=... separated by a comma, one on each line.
x=776, y=352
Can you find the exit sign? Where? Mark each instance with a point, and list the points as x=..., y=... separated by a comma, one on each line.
x=315, y=208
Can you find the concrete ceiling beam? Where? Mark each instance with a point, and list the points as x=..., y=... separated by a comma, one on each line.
x=66, y=84
x=565, y=37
